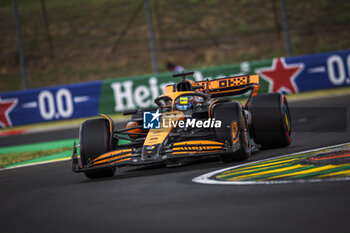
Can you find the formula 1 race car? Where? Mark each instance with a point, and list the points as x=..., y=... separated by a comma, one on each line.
x=193, y=120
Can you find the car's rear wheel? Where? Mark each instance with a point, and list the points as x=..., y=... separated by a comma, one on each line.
x=233, y=131
x=271, y=120
x=95, y=139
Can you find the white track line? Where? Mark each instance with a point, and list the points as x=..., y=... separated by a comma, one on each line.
x=205, y=178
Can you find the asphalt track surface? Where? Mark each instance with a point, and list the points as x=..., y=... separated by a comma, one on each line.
x=50, y=198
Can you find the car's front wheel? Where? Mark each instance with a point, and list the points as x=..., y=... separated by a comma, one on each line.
x=95, y=140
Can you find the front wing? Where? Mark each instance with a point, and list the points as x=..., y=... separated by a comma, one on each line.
x=134, y=156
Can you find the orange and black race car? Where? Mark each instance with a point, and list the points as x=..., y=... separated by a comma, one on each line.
x=193, y=120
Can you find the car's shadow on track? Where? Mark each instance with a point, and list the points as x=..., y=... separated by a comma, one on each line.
x=205, y=164
x=151, y=170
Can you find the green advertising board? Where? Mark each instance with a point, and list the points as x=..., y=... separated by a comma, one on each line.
x=137, y=92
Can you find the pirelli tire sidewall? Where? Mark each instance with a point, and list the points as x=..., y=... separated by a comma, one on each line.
x=227, y=113
x=95, y=139
x=271, y=120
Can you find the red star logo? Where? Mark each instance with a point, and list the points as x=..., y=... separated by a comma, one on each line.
x=5, y=108
x=281, y=76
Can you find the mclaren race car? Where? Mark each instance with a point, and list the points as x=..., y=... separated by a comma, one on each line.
x=193, y=120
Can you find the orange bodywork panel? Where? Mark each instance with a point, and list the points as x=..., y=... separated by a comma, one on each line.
x=157, y=136
x=234, y=129
x=109, y=119
x=169, y=89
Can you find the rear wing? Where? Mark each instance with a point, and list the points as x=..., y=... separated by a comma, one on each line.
x=228, y=86
x=220, y=87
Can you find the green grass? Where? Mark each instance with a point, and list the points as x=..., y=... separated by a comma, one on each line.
x=38, y=152
x=20, y=153
x=13, y=158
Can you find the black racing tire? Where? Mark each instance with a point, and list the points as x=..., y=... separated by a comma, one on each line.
x=95, y=139
x=271, y=120
x=227, y=113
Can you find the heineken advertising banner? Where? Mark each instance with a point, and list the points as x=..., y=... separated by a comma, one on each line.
x=118, y=95
x=289, y=75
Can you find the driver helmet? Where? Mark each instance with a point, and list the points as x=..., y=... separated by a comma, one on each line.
x=184, y=103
